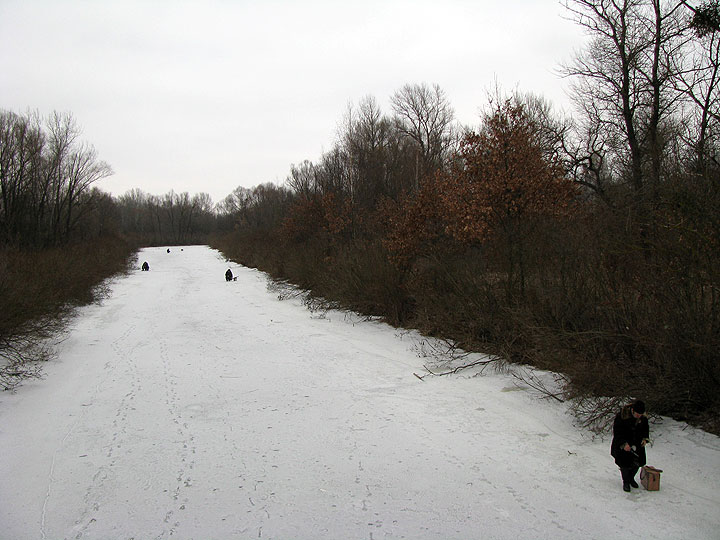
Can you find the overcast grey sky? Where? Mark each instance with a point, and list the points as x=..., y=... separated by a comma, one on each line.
x=205, y=96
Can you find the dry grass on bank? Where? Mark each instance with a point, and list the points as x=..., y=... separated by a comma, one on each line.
x=39, y=290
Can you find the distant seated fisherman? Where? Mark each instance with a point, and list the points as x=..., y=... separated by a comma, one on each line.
x=228, y=275
x=145, y=266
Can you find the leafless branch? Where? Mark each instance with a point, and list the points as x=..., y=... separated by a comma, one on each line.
x=484, y=363
x=531, y=379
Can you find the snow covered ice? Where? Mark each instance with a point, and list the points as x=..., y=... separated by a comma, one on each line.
x=189, y=407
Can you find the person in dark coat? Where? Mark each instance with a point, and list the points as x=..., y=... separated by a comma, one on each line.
x=631, y=433
x=145, y=266
x=228, y=275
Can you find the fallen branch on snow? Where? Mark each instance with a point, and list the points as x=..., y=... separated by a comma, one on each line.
x=485, y=362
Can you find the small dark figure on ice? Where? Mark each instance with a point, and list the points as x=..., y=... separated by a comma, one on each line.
x=168, y=250
x=631, y=433
x=228, y=275
x=145, y=267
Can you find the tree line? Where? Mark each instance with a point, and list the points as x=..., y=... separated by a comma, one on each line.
x=586, y=244
x=46, y=179
x=49, y=195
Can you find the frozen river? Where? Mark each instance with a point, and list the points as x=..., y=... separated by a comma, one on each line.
x=189, y=407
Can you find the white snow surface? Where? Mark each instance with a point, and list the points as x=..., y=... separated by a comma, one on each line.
x=189, y=407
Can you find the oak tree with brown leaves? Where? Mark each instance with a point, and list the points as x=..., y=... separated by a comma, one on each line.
x=501, y=180
x=503, y=175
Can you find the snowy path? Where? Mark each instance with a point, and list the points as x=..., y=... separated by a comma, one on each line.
x=188, y=407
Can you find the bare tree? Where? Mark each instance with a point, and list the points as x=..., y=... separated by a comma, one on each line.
x=302, y=178
x=333, y=172
x=186, y=213
x=135, y=214
x=699, y=80
x=21, y=148
x=424, y=114
x=63, y=131
x=266, y=206
x=44, y=177
x=235, y=201
x=366, y=141
x=623, y=82
x=169, y=213
x=155, y=204
x=83, y=170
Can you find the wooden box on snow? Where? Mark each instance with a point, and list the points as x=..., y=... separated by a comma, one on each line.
x=650, y=478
